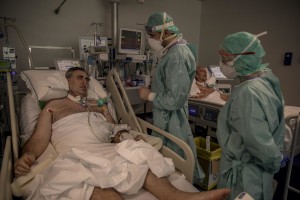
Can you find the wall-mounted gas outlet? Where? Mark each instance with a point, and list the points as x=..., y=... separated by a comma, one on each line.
x=288, y=58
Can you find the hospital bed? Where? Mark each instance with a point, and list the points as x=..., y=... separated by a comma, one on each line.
x=125, y=114
x=204, y=112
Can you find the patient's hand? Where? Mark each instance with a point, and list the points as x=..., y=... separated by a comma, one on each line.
x=206, y=90
x=139, y=137
x=125, y=135
x=224, y=97
x=23, y=164
x=144, y=93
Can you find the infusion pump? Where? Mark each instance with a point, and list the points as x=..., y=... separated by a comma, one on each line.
x=203, y=114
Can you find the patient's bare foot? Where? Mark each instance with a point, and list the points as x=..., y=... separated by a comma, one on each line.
x=107, y=194
x=163, y=189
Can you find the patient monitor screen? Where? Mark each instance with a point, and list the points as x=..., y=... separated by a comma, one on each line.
x=193, y=110
x=130, y=41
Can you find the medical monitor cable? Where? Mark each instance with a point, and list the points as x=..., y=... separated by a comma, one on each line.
x=89, y=109
x=109, y=126
x=83, y=102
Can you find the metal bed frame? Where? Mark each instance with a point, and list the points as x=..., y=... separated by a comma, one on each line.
x=125, y=114
x=296, y=131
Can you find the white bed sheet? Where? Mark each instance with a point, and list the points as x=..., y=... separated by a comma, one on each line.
x=86, y=151
x=212, y=98
x=30, y=112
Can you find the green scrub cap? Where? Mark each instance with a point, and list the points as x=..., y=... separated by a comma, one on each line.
x=244, y=42
x=156, y=21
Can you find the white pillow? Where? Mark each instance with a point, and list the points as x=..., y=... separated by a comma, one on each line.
x=29, y=114
x=46, y=85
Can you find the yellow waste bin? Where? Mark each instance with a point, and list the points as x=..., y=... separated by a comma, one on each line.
x=209, y=161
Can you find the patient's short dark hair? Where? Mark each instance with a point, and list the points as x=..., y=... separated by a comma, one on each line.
x=73, y=69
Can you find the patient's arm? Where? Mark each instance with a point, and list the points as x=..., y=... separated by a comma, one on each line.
x=105, y=112
x=36, y=144
x=204, y=91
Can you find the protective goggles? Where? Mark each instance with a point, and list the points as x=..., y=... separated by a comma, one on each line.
x=225, y=54
x=227, y=57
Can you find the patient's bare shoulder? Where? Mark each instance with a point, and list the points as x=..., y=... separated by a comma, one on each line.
x=56, y=104
x=63, y=107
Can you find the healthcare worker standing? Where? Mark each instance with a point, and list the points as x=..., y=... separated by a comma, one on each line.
x=251, y=125
x=172, y=82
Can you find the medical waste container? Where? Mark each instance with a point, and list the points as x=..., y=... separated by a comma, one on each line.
x=209, y=161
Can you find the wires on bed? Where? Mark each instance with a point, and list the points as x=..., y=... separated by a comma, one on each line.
x=104, y=123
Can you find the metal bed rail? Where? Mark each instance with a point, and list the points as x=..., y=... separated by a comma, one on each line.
x=296, y=130
x=6, y=171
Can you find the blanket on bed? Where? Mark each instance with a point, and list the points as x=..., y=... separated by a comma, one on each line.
x=86, y=160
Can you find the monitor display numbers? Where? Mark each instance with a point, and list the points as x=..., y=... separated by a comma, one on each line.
x=131, y=40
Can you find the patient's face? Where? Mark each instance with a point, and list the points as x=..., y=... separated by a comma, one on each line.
x=201, y=75
x=78, y=83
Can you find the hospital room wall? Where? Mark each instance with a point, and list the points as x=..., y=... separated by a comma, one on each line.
x=39, y=24
x=279, y=18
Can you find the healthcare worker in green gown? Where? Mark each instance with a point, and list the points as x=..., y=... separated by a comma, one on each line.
x=172, y=82
x=251, y=125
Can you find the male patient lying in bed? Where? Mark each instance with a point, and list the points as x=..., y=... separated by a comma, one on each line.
x=88, y=165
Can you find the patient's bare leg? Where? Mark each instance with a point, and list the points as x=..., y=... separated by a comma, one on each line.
x=163, y=189
x=105, y=194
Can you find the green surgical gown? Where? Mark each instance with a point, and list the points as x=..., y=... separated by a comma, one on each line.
x=250, y=132
x=172, y=84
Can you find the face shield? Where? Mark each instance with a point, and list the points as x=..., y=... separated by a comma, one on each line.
x=155, y=44
x=158, y=28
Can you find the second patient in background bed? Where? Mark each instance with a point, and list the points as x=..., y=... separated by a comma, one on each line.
x=204, y=86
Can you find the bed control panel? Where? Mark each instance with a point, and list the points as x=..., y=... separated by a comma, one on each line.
x=203, y=114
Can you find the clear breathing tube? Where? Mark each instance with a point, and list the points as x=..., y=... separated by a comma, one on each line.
x=100, y=102
x=107, y=125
